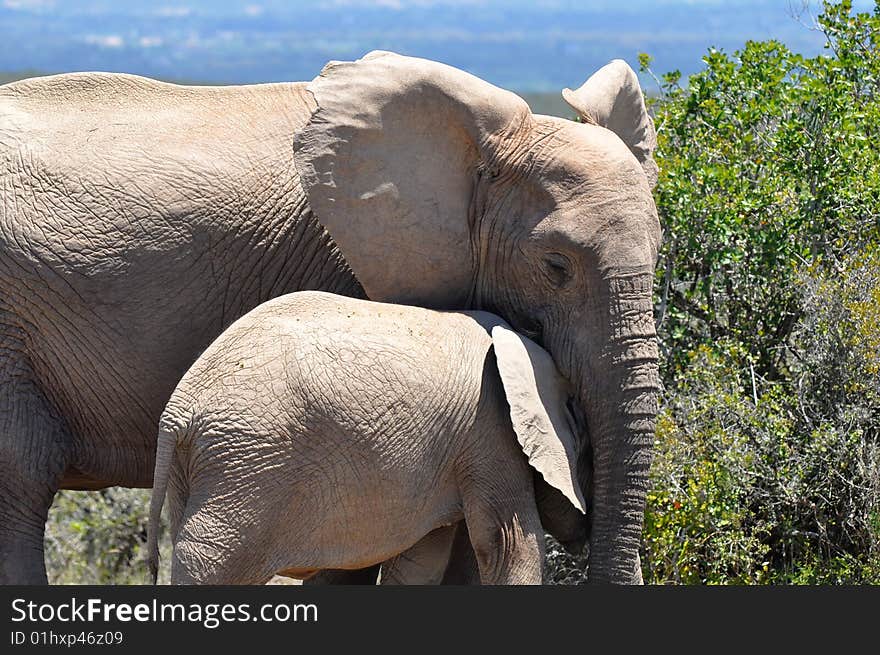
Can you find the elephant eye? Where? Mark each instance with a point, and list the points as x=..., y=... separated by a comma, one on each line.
x=558, y=268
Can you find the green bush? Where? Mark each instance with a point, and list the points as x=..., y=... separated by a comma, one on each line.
x=769, y=161
x=768, y=445
x=100, y=538
x=760, y=492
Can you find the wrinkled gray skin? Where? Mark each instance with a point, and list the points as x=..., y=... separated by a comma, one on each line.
x=446, y=556
x=320, y=431
x=139, y=219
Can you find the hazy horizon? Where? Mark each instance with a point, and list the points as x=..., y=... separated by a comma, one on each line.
x=529, y=46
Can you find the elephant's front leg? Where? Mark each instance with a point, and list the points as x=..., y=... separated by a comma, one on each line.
x=508, y=544
x=33, y=448
x=24, y=508
x=505, y=529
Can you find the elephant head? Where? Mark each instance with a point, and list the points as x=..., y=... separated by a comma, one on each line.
x=445, y=191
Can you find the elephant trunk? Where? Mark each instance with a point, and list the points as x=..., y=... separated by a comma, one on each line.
x=619, y=395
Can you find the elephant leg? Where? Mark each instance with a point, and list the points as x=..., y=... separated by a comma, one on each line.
x=505, y=531
x=34, y=447
x=211, y=549
x=217, y=573
x=462, y=568
x=424, y=563
x=24, y=509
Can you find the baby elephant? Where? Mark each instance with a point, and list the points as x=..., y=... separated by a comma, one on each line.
x=324, y=432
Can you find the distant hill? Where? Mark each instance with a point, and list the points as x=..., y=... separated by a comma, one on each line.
x=12, y=77
x=550, y=104
x=518, y=44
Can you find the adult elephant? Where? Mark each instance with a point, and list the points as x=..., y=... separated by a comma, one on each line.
x=139, y=219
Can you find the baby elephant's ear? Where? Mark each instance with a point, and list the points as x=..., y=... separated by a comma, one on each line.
x=537, y=395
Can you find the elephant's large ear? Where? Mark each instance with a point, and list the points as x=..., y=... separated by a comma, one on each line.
x=389, y=161
x=537, y=396
x=613, y=99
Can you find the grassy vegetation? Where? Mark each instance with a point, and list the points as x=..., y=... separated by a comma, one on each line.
x=100, y=538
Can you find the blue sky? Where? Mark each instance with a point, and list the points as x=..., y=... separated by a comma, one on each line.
x=540, y=45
